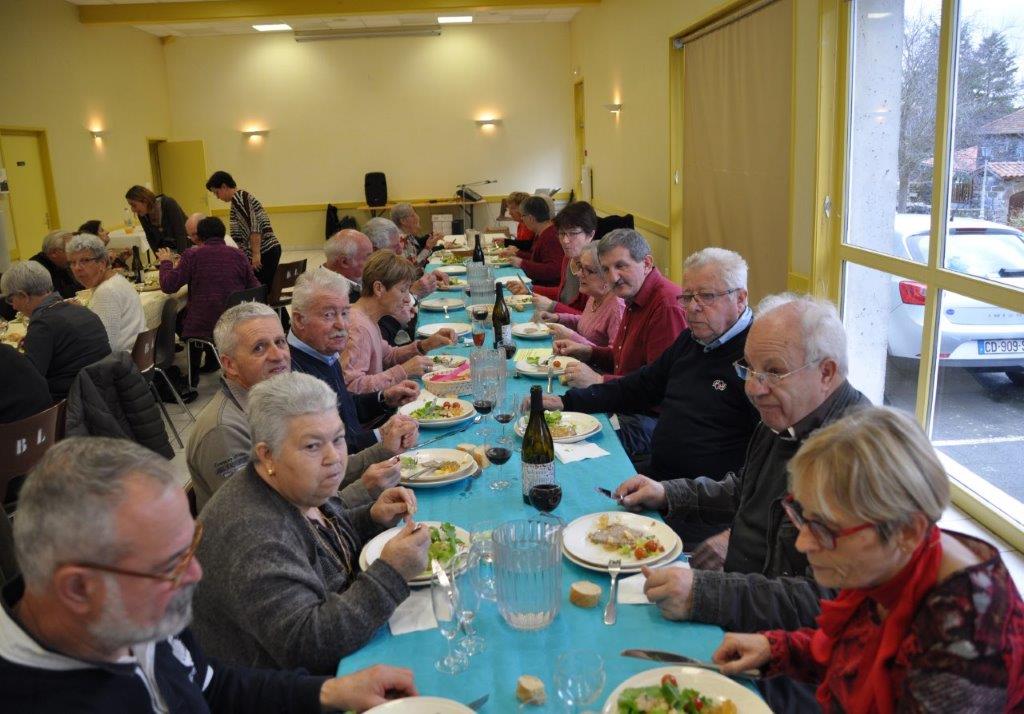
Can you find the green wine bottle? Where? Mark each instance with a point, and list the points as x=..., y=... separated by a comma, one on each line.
x=538, y=455
x=501, y=319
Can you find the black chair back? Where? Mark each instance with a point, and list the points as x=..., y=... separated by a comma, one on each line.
x=257, y=294
x=606, y=224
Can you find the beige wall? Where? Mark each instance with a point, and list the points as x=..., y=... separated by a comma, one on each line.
x=630, y=153
x=64, y=77
x=405, y=106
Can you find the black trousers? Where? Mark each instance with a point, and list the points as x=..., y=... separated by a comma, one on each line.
x=268, y=265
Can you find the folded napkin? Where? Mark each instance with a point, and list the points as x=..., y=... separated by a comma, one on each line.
x=416, y=613
x=567, y=453
x=631, y=589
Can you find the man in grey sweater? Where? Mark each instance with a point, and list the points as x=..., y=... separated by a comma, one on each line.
x=253, y=348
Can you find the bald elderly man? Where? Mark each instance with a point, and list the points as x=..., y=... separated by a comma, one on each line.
x=345, y=253
x=192, y=222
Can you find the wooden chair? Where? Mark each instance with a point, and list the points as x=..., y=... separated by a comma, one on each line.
x=143, y=354
x=280, y=295
x=257, y=294
x=23, y=443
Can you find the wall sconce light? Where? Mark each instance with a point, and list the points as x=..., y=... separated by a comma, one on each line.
x=254, y=133
x=613, y=108
x=488, y=122
x=98, y=134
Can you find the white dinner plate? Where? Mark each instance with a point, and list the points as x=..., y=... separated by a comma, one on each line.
x=574, y=538
x=430, y=479
x=452, y=269
x=519, y=301
x=477, y=305
x=531, y=370
x=468, y=412
x=670, y=556
x=371, y=551
x=421, y=705
x=460, y=328
x=586, y=427
x=708, y=683
x=439, y=304
x=531, y=330
x=455, y=285
x=506, y=279
x=446, y=361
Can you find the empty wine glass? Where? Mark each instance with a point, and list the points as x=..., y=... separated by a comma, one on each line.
x=467, y=598
x=481, y=558
x=578, y=678
x=444, y=601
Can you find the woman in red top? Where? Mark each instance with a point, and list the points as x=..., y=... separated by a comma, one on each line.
x=926, y=619
x=524, y=236
x=543, y=262
x=576, y=225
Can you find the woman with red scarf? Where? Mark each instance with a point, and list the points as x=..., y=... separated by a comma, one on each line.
x=926, y=619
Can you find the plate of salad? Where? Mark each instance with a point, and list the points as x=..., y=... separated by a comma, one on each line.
x=454, y=284
x=446, y=540
x=536, y=366
x=633, y=538
x=450, y=466
x=682, y=690
x=565, y=427
x=439, y=411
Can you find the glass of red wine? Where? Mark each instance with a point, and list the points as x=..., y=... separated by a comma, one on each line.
x=545, y=497
x=479, y=326
x=499, y=454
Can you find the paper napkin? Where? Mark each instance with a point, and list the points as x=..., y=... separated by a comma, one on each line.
x=567, y=453
x=414, y=614
x=631, y=589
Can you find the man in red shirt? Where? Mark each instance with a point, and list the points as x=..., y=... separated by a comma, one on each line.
x=543, y=261
x=651, y=323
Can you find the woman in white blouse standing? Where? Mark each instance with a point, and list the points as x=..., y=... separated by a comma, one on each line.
x=113, y=298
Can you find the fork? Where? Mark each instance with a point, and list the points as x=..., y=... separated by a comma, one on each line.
x=551, y=374
x=427, y=466
x=614, y=566
x=445, y=306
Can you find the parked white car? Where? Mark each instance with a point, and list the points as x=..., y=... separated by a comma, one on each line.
x=973, y=334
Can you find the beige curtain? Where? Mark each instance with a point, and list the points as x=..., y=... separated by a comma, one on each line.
x=736, y=142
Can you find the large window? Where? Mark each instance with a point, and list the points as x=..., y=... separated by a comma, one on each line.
x=930, y=248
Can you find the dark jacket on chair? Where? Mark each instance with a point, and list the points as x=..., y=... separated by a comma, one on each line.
x=111, y=398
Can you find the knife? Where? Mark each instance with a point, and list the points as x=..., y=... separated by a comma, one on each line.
x=605, y=492
x=477, y=703
x=450, y=433
x=659, y=656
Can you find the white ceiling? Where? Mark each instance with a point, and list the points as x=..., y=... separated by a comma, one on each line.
x=331, y=22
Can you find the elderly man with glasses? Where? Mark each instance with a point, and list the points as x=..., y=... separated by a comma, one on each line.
x=99, y=620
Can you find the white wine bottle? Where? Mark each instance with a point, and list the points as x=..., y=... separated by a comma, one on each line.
x=538, y=455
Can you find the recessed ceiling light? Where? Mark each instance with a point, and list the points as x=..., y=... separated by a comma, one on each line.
x=277, y=27
x=454, y=19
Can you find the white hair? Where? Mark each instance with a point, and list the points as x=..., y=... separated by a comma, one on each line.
x=313, y=282
x=821, y=329
x=224, y=332
x=26, y=276
x=273, y=402
x=56, y=240
x=730, y=265
x=343, y=244
x=89, y=243
x=381, y=232
x=401, y=211
x=66, y=508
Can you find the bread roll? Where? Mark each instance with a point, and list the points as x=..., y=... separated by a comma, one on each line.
x=584, y=593
x=530, y=689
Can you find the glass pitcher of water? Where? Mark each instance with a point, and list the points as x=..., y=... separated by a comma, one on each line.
x=528, y=571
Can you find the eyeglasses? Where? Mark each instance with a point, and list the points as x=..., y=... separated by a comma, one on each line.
x=745, y=372
x=76, y=263
x=173, y=576
x=825, y=536
x=704, y=297
x=574, y=233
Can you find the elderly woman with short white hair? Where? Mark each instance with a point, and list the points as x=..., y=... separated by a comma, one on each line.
x=415, y=246
x=283, y=586
x=113, y=298
x=926, y=619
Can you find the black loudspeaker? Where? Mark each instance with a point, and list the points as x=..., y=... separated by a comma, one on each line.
x=468, y=194
x=458, y=227
x=376, y=186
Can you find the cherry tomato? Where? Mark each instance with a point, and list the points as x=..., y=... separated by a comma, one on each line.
x=639, y=552
x=669, y=679
x=651, y=546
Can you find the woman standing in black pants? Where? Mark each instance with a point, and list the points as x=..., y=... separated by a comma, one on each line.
x=250, y=226
x=161, y=218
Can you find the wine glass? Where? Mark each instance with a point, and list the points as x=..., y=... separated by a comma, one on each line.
x=444, y=601
x=579, y=678
x=545, y=497
x=481, y=557
x=467, y=598
x=486, y=372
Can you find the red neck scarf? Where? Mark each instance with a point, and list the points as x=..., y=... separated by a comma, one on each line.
x=900, y=596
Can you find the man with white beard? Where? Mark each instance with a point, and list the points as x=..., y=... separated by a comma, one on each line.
x=98, y=620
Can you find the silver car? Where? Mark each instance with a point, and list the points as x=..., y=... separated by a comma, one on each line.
x=973, y=334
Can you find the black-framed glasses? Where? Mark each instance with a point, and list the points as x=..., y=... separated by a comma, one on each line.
x=704, y=297
x=76, y=263
x=173, y=576
x=744, y=371
x=572, y=233
x=825, y=536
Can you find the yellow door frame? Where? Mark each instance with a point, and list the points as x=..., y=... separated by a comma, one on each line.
x=579, y=134
x=47, y=168
x=831, y=253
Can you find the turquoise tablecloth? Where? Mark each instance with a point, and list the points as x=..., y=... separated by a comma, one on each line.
x=510, y=652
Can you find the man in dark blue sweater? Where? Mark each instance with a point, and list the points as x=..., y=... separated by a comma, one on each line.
x=99, y=622
x=318, y=334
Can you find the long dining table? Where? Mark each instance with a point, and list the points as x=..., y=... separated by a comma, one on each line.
x=509, y=652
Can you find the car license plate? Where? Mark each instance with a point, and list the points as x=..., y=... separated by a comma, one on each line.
x=1000, y=347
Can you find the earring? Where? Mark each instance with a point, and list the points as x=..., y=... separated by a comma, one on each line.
x=270, y=471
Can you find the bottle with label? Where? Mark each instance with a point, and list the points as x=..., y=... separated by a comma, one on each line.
x=538, y=454
x=501, y=319
x=136, y=266
x=478, y=251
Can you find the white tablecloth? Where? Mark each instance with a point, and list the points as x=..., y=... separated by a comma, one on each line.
x=119, y=240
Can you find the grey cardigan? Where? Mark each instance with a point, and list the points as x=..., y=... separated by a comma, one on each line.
x=271, y=596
